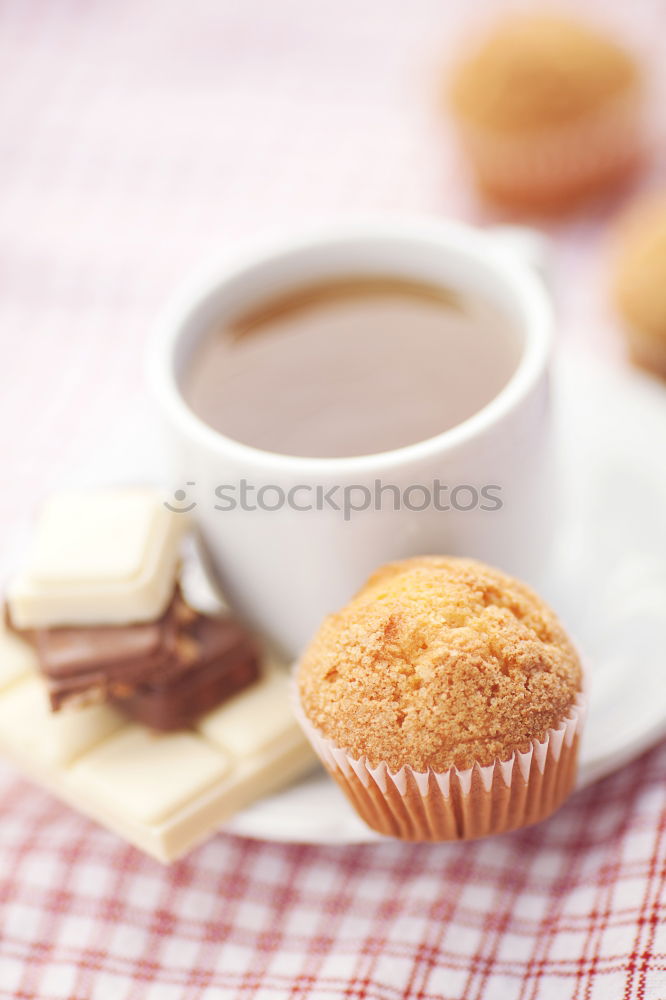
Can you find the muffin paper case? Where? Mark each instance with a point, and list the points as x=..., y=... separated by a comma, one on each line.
x=557, y=163
x=457, y=804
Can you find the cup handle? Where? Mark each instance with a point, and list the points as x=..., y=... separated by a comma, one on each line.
x=529, y=245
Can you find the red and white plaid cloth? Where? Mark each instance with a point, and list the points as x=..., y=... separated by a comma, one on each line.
x=136, y=137
x=573, y=909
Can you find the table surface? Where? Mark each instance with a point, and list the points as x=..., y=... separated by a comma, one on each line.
x=138, y=138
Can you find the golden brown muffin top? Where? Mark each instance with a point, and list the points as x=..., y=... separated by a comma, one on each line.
x=639, y=272
x=439, y=662
x=540, y=70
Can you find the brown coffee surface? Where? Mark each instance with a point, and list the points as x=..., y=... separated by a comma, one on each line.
x=351, y=367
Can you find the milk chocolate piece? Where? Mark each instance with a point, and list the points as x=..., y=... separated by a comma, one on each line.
x=217, y=660
x=84, y=665
x=165, y=673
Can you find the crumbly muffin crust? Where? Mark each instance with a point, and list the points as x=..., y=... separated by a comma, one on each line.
x=439, y=662
x=538, y=71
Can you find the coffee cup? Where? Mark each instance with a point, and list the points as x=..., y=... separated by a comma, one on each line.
x=310, y=530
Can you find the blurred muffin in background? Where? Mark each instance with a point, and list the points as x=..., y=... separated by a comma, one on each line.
x=639, y=280
x=549, y=112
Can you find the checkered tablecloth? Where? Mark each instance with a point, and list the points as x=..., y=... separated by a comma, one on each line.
x=136, y=137
x=573, y=908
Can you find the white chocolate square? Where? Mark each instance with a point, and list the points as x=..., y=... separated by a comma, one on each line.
x=146, y=776
x=17, y=658
x=98, y=557
x=28, y=726
x=254, y=720
x=92, y=537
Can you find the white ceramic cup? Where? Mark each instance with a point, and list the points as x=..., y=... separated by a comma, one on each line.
x=285, y=569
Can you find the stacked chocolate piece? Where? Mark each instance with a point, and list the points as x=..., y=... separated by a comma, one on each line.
x=100, y=603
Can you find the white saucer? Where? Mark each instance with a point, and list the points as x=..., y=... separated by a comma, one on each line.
x=607, y=582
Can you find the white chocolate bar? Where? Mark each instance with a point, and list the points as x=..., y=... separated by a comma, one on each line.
x=98, y=557
x=149, y=775
x=248, y=723
x=163, y=792
x=62, y=736
x=16, y=658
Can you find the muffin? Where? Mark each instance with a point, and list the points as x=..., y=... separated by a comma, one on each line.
x=639, y=281
x=548, y=112
x=446, y=700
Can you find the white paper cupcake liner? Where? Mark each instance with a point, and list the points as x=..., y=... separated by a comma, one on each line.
x=457, y=804
x=557, y=159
